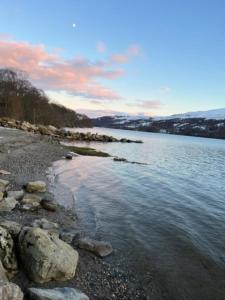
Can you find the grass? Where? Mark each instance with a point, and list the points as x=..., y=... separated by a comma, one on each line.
x=87, y=151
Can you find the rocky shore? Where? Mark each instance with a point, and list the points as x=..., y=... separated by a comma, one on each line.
x=61, y=134
x=42, y=253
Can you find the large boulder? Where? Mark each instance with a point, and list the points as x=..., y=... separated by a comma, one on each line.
x=8, y=204
x=3, y=185
x=36, y=186
x=45, y=257
x=7, y=252
x=99, y=248
x=56, y=294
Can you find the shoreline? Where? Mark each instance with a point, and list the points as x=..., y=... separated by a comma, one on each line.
x=27, y=157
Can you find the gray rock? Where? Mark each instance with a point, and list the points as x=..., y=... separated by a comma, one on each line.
x=3, y=276
x=7, y=252
x=3, y=185
x=50, y=205
x=10, y=291
x=12, y=227
x=68, y=235
x=18, y=195
x=36, y=186
x=31, y=200
x=1, y=196
x=8, y=204
x=56, y=294
x=69, y=156
x=99, y=248
x=45, y=257
x=45, y=224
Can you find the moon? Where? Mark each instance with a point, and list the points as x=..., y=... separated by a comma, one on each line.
x=74, y=25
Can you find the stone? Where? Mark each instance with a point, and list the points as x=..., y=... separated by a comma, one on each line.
x=50, y=205
x=31, y=199
x=68, y=235
x=18, y=195
x=10, y=291
x=99, y=248
x=28, y=207
x=1, y=196
x=36, y=186
x=3, y=172
x=45, y=224
x=3, y=276
x=8, y=204
x=3, y=185
x=12, y=227
x=56, y=294
x=7, y=252
x=45, y=257
x=69, y=156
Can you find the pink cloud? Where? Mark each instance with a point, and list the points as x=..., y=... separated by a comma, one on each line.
x=50, y=71
x=151, y=104
x=122, y=58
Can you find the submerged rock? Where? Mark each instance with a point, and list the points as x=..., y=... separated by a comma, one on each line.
x=56, y=294
x=68, y=235
x=99, y=248
x=8, y=204
x=69, y=156
x=36, y=186
x=50, y=205
x=45, y=224
x=7, y=252
x=1, y=196
x=45, y=257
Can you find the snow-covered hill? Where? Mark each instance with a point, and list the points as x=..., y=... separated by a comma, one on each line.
x=216, y=114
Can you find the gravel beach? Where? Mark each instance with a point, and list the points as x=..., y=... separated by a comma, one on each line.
x=27, y=157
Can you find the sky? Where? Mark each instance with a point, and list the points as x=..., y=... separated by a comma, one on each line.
x=104, y=57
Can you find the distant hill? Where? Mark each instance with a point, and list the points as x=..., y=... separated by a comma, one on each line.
x=20, y=100
x=204, y=123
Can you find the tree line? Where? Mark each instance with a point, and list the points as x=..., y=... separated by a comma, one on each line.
x=21, y=100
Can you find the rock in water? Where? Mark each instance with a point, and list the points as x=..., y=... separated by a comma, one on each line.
x=56, y=294
x=69, y=156
x=45, y=257
x=100, y=248
x=1, y=196
x=3, y=185
x=31, y=199
x=18, y=195
x=8, y=204
x=43, y=223
x=10, y=291
x=49, y=204
x=7, y=252
x=36, y=186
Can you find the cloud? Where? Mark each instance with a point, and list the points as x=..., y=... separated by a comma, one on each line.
x=95, y=113
x=101, y=47
x=165, y=89
x=50, y=71
x=150, y=104
x=122, y=58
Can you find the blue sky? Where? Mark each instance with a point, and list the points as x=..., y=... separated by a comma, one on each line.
x=172, y=52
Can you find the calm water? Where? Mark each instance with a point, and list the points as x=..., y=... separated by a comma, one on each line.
x=165, y=219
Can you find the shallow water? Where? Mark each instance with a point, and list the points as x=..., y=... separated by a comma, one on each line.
x=165, y=219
